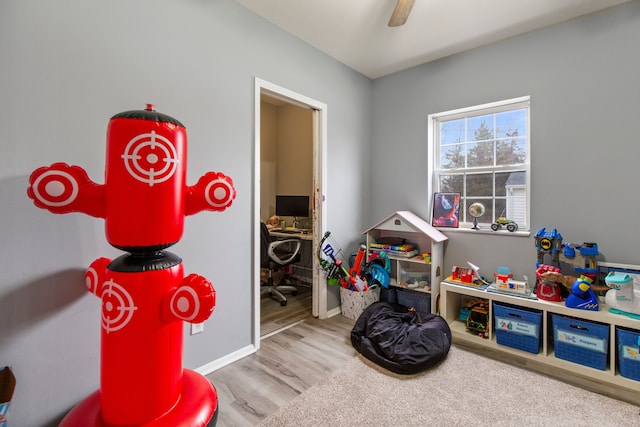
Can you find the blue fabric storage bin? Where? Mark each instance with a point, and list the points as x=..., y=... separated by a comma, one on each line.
x=628, y=353
x=421, y=301
x=517, y=327
x=581, y=341
x=388, y=295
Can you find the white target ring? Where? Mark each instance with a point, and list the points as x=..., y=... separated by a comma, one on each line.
x=91, y=280
x=218, y=193
x=150, y=158
x=185, y=303
x=117, y=307
x=55, y=188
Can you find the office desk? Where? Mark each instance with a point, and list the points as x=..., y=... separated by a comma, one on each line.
x=278, y=233
x=303, y=269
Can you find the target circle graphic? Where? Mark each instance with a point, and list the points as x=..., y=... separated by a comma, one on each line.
x=218, y=193
x=117, y=307
x=91, y=280
x=55, y=188
x=150, y=158
x=185, y=303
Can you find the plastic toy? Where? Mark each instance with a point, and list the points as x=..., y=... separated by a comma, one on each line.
x=462, y=274
x=478, y=320
x=145, y=296
x=502, y=275
x=582, y=296
x=505, y=282
x=354, y=280
x=549, y=245
x=375, y=274
x=332, y=266
x=468, y=276
x=381, y=258
x=504, y=222
x=584, y=260
x=622, y=298
x=549, y=280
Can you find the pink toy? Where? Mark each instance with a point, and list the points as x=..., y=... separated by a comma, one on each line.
x=145, y=296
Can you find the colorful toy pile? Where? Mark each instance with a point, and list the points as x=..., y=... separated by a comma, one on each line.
x=622, y=295
x=361, y=275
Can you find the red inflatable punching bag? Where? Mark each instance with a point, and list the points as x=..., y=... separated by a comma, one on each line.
x=145, y=296
x=145, y=179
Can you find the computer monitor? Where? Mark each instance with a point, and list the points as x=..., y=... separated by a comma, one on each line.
x=296, y=206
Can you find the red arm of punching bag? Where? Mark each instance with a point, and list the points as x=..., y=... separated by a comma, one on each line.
x=94, y=276
x=61, y=188
x=213, y=192
x=193, y=301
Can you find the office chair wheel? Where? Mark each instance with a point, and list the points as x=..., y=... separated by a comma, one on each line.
x=294, y=293
x=283, y=303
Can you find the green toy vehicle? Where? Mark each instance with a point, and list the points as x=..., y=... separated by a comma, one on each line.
x=504, y=222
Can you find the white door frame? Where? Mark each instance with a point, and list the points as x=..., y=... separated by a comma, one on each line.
x=319, y=288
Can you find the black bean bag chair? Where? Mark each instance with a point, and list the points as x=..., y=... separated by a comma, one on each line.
x=402, y=341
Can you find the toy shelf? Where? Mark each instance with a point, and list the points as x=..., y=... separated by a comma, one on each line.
x=607, y=381
x=408, y=226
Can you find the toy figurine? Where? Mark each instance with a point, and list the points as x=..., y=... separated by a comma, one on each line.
x=145, y=296
x=502, y=275
x=622, y=298
x=549, y=282
x=548, y=244
x=582, y=296
x=506, y=282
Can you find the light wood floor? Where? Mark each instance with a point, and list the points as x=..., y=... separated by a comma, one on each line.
x=273, y=316
x=287, y=363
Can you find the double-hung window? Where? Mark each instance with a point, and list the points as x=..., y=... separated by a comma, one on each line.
x=483, y=153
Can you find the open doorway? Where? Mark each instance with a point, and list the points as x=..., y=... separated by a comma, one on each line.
x=283, y=97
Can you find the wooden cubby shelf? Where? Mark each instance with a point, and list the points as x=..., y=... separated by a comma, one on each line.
x=608, y=381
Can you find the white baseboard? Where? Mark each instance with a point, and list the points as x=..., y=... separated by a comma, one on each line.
x=334, y=312
x=226, y=360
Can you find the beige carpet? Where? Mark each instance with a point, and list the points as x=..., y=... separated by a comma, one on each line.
x=464, y=390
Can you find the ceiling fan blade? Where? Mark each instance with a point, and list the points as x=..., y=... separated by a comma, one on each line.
x=401, y=12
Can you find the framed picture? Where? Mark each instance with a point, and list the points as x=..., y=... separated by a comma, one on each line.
x=446, y=210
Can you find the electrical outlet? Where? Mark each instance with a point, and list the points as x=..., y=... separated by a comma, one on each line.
x=196, y=328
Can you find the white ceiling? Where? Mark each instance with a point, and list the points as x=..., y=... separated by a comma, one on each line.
x=355, y=32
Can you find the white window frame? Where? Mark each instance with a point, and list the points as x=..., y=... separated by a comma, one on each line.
x=433, y=152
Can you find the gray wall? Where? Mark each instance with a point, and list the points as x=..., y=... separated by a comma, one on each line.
x=66, y=68
x=583, y=79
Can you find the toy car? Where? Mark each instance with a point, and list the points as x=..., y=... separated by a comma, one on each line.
x=478, y=319
x=504, y=222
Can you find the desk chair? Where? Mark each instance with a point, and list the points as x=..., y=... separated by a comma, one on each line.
x=275, y=255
